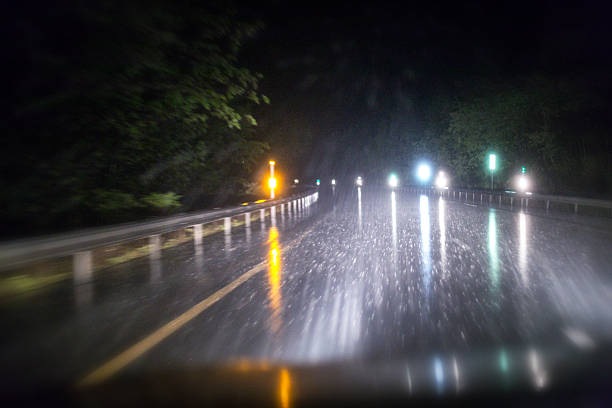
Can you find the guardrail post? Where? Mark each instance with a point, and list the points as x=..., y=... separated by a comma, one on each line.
x=227, y=231
x=154, y=257
x=262, y=216
x=273, y=215
x=490, y=198
x=500, y=198
x=247, y=220
x=199, y=257
x=82, y=273
x=526, y=203
x=575, y=208
x=82, y=270
x=547, y=205
x=481, y=198
x=197, y=234
x=511, y=202
x=473, y=197
x=155, y=246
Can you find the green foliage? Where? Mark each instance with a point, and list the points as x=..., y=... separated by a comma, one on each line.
x=162, y=201
x=149, y=98
x=536, y=122
x=104, y=201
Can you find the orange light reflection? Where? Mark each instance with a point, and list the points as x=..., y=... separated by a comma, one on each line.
x=274, y=279
x=284, y=388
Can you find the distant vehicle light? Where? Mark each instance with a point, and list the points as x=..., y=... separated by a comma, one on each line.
x=296, y=181
x=359, y=181
x=393, y=180
x=424, y=172
x=272, y=182
x=441, y=180
x=318, y=182
x=522, y=183
x=333, y=182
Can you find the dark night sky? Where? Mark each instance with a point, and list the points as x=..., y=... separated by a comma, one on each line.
x=335, y=72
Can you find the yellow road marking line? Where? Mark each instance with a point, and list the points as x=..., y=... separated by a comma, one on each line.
x=123, y=359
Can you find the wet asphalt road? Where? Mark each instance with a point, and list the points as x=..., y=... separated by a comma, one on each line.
x=357, y=276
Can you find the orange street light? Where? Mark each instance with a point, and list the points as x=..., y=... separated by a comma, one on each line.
x=272, y=181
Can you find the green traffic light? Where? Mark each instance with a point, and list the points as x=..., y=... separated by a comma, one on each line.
x=523, y=169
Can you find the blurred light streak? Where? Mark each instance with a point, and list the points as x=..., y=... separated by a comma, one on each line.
x=394, y=221
x=442, y=224
x=284, y=388
x=425, y=239
x=493, y=255
x=523, y=247
x=359, y=205
x=274, y=280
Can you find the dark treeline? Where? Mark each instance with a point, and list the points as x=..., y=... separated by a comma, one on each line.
x=378, y=89
x=557, y=127
x=121, y=110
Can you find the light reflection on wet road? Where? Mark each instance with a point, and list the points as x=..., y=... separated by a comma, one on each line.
x=380, y=276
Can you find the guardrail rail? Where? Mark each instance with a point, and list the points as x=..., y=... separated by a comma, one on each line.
x=521, y=199
x=80, y=244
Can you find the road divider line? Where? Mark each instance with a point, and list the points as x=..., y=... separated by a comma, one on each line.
x=123, y=359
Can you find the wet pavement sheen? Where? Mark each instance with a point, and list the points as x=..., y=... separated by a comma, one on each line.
x=376, y=276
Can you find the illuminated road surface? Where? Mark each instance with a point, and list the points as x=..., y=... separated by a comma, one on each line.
x=360, y=276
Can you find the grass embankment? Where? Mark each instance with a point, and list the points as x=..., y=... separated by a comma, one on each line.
x=33, y=279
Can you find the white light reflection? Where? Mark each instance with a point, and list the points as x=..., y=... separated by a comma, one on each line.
x=580, y=338
x=456, y=372
x=359, y=205
x=442, y=224
x=539, y=374
x=438, y=374
x=409, y=378
x=523, y=248
x=493, y=256
x=393, y=221
x=425, y=240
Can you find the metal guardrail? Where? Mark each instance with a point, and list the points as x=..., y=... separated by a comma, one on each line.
x=17, y=253
x=522, y=199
